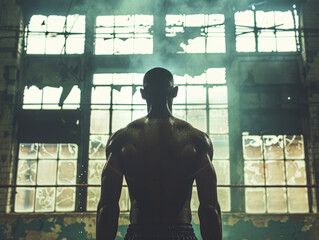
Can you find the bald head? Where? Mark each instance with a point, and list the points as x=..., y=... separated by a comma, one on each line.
x=158, y=84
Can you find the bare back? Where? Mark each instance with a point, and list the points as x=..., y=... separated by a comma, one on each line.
x=159, y=158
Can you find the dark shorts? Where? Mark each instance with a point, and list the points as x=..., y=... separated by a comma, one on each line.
x=160, y=232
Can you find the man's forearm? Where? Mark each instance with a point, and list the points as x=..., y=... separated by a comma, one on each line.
x=210, y=222
x=107, y=222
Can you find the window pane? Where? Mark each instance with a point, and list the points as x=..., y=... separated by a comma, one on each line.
x=273, y=147
x=216, y=75
x=218, y=120
x=48, y=151
x=218, y=95
x=31, y=96
x=68, y=151
x=95, y=171
x=122, y=95
x=120, y=119
x=254, y=173
x=101, y=95
x=67, y=172
x=45, y=199
x=296, y=172
x=100, y=121
x=26, y=172
x=197, y=118
x=28, y=150
x=24, y=200
x=93, y=198
x=275, y=174
x=255, y=200
x=47, y=172
x=194, y=201
x=252, y=146
x=222, y=171
x=276, y=200
x=196, y=94
x=294, y=147
x=51, y=97
x=223, y=194
x=221, y=146
x=65, y=199
x=298, y=200
x=124, y=200
x=73, y=99
x=97, y=146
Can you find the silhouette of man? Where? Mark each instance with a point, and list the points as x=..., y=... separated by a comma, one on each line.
x=160, y=157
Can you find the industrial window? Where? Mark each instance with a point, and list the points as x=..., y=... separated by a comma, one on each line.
x=116, y=101
x=55, y=35
x=272, y=31
x=41, y=167
x=49, y=98
x=275, y=160
x=124, y=34
x=197, y=33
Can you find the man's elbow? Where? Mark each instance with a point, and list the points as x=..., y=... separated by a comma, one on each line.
x=108, y=212
x=209, y=211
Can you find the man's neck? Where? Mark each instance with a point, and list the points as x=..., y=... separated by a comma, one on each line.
x=159, y=110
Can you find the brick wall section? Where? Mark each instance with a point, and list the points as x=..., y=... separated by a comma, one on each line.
x=310, y=22
x=10, y=50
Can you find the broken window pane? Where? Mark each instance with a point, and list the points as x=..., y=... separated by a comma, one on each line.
x=45, y=199
x=51, y=97
x=65, y=199
x=68, y=151
x=47, y=172
x=100, y=121
x=296, y=172
x=223, y=194
x=28, y=150
x=276, y=31
x=197, y=118
x=48, y=151
x=93, y=198
x=124, y=34
x=196, y=33
x=254, y=173
x=67, y=172
x=273, y=147
x=276, y=200
x=26, y=172
x=95, y=171
x=218, y=120
x=73, y=99
x=298, y=200
x=137, y=97
x=216, y=75
x=255, y=200
x=24, y=199
x=97, y=146
x=32, y=98
x=55, y=34
x=252, y=147
x=294, y=147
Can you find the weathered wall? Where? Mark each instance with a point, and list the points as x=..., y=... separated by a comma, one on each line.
x=310, y=22
x=235, y=227
x=10, y=50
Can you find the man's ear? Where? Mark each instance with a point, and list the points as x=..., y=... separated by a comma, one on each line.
x=142, y=90
x=174, y=92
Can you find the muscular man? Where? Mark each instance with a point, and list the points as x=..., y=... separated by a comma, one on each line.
x=160, y=157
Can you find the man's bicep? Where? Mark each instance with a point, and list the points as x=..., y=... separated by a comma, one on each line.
x=111, y=183
x=206, y=182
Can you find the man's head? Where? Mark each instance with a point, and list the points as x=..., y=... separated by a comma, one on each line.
x=158, y=85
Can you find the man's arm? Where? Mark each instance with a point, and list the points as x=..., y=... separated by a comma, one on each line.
x=111, y=186
x=209, y=209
